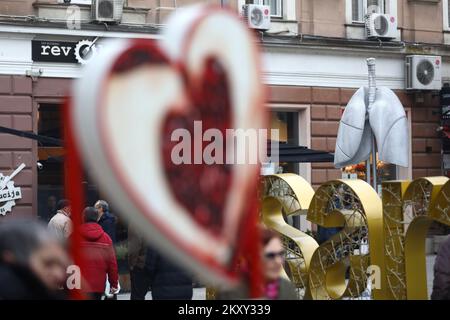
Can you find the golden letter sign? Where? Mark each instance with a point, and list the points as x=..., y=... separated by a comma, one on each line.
x=290, y=194
x=379, y=240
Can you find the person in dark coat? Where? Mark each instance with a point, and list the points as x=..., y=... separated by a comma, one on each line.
x=325, y=234
x=441, y=282
x=106, y=220
x=33, y=262
x=168, y=281
x=150, y=271
x=140, y=278
x=99, y=257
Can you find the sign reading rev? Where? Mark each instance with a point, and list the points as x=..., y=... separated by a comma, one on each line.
x=63, y=52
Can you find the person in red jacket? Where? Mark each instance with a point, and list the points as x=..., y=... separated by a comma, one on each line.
x=99, y=257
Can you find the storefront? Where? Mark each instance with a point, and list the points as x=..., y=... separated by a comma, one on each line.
x=309, y=86
x=317, y=83
x=37, y=68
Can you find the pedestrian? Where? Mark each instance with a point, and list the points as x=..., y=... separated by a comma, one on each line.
x=337, y=202
x=441, y=282
x=107, y=221
x=60, y=223
x=325, y=234
x=139, y=277
x=51, y=208
x=275, y=286
x=168, y=281
x=33, y=262
x=149, y=270
x=98, y=256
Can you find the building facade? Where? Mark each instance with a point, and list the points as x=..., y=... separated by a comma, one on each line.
x=314, y=59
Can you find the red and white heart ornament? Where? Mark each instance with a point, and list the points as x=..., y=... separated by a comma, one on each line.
x=125, y=107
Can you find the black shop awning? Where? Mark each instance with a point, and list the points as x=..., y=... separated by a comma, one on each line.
x=299, y=154
x=286, y=152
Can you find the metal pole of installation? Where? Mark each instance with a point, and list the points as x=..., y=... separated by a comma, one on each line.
x=374, y=164
x=372, y=96
x=368, y=171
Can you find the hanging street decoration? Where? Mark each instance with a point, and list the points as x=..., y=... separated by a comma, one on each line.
x=8, y=192
x=138, y=92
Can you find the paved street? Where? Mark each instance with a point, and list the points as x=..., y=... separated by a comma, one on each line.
x=200, y=293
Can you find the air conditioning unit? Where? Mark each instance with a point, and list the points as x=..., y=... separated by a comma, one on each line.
x=107, y=10
x=257, y=16
x=380, y=26
x=423, y=72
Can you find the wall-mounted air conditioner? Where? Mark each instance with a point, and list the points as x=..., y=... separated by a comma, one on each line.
x=423, y=72
x=381, y=26
x=107, y=10
x=257, y=16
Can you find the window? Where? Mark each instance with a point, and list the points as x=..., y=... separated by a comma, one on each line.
x=276, y=6
x=288, y=133
x=51, y=174
x=77, y=1
x=362, y=7
x=446, y=11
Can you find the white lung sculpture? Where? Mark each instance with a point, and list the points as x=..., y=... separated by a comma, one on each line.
x=385, y=119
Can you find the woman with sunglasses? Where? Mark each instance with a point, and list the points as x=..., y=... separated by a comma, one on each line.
x=276, y=287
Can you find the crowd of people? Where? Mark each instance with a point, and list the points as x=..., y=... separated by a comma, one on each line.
x=34, y=262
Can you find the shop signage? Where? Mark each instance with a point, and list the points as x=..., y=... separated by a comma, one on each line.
x=8, y=192
x=63, y=52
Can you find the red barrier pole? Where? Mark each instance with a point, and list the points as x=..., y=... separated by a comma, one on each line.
x=74, y=192
x=252, y=249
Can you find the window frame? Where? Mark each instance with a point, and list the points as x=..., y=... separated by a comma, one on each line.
x=75, y=2
x=446, y=15
x=281, y=7
x=364, y=12
x=390, y=7
x=304, y=139
x=279, y=13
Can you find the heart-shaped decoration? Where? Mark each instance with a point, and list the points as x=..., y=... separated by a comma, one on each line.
x=132, y=98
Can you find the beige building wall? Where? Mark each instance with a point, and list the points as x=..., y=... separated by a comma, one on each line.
x=16, y=7
x=161, y=9
x=25, y=7
x=419, y=20
x=322, y=17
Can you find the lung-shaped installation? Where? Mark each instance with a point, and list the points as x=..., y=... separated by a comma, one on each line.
x=385, y=119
